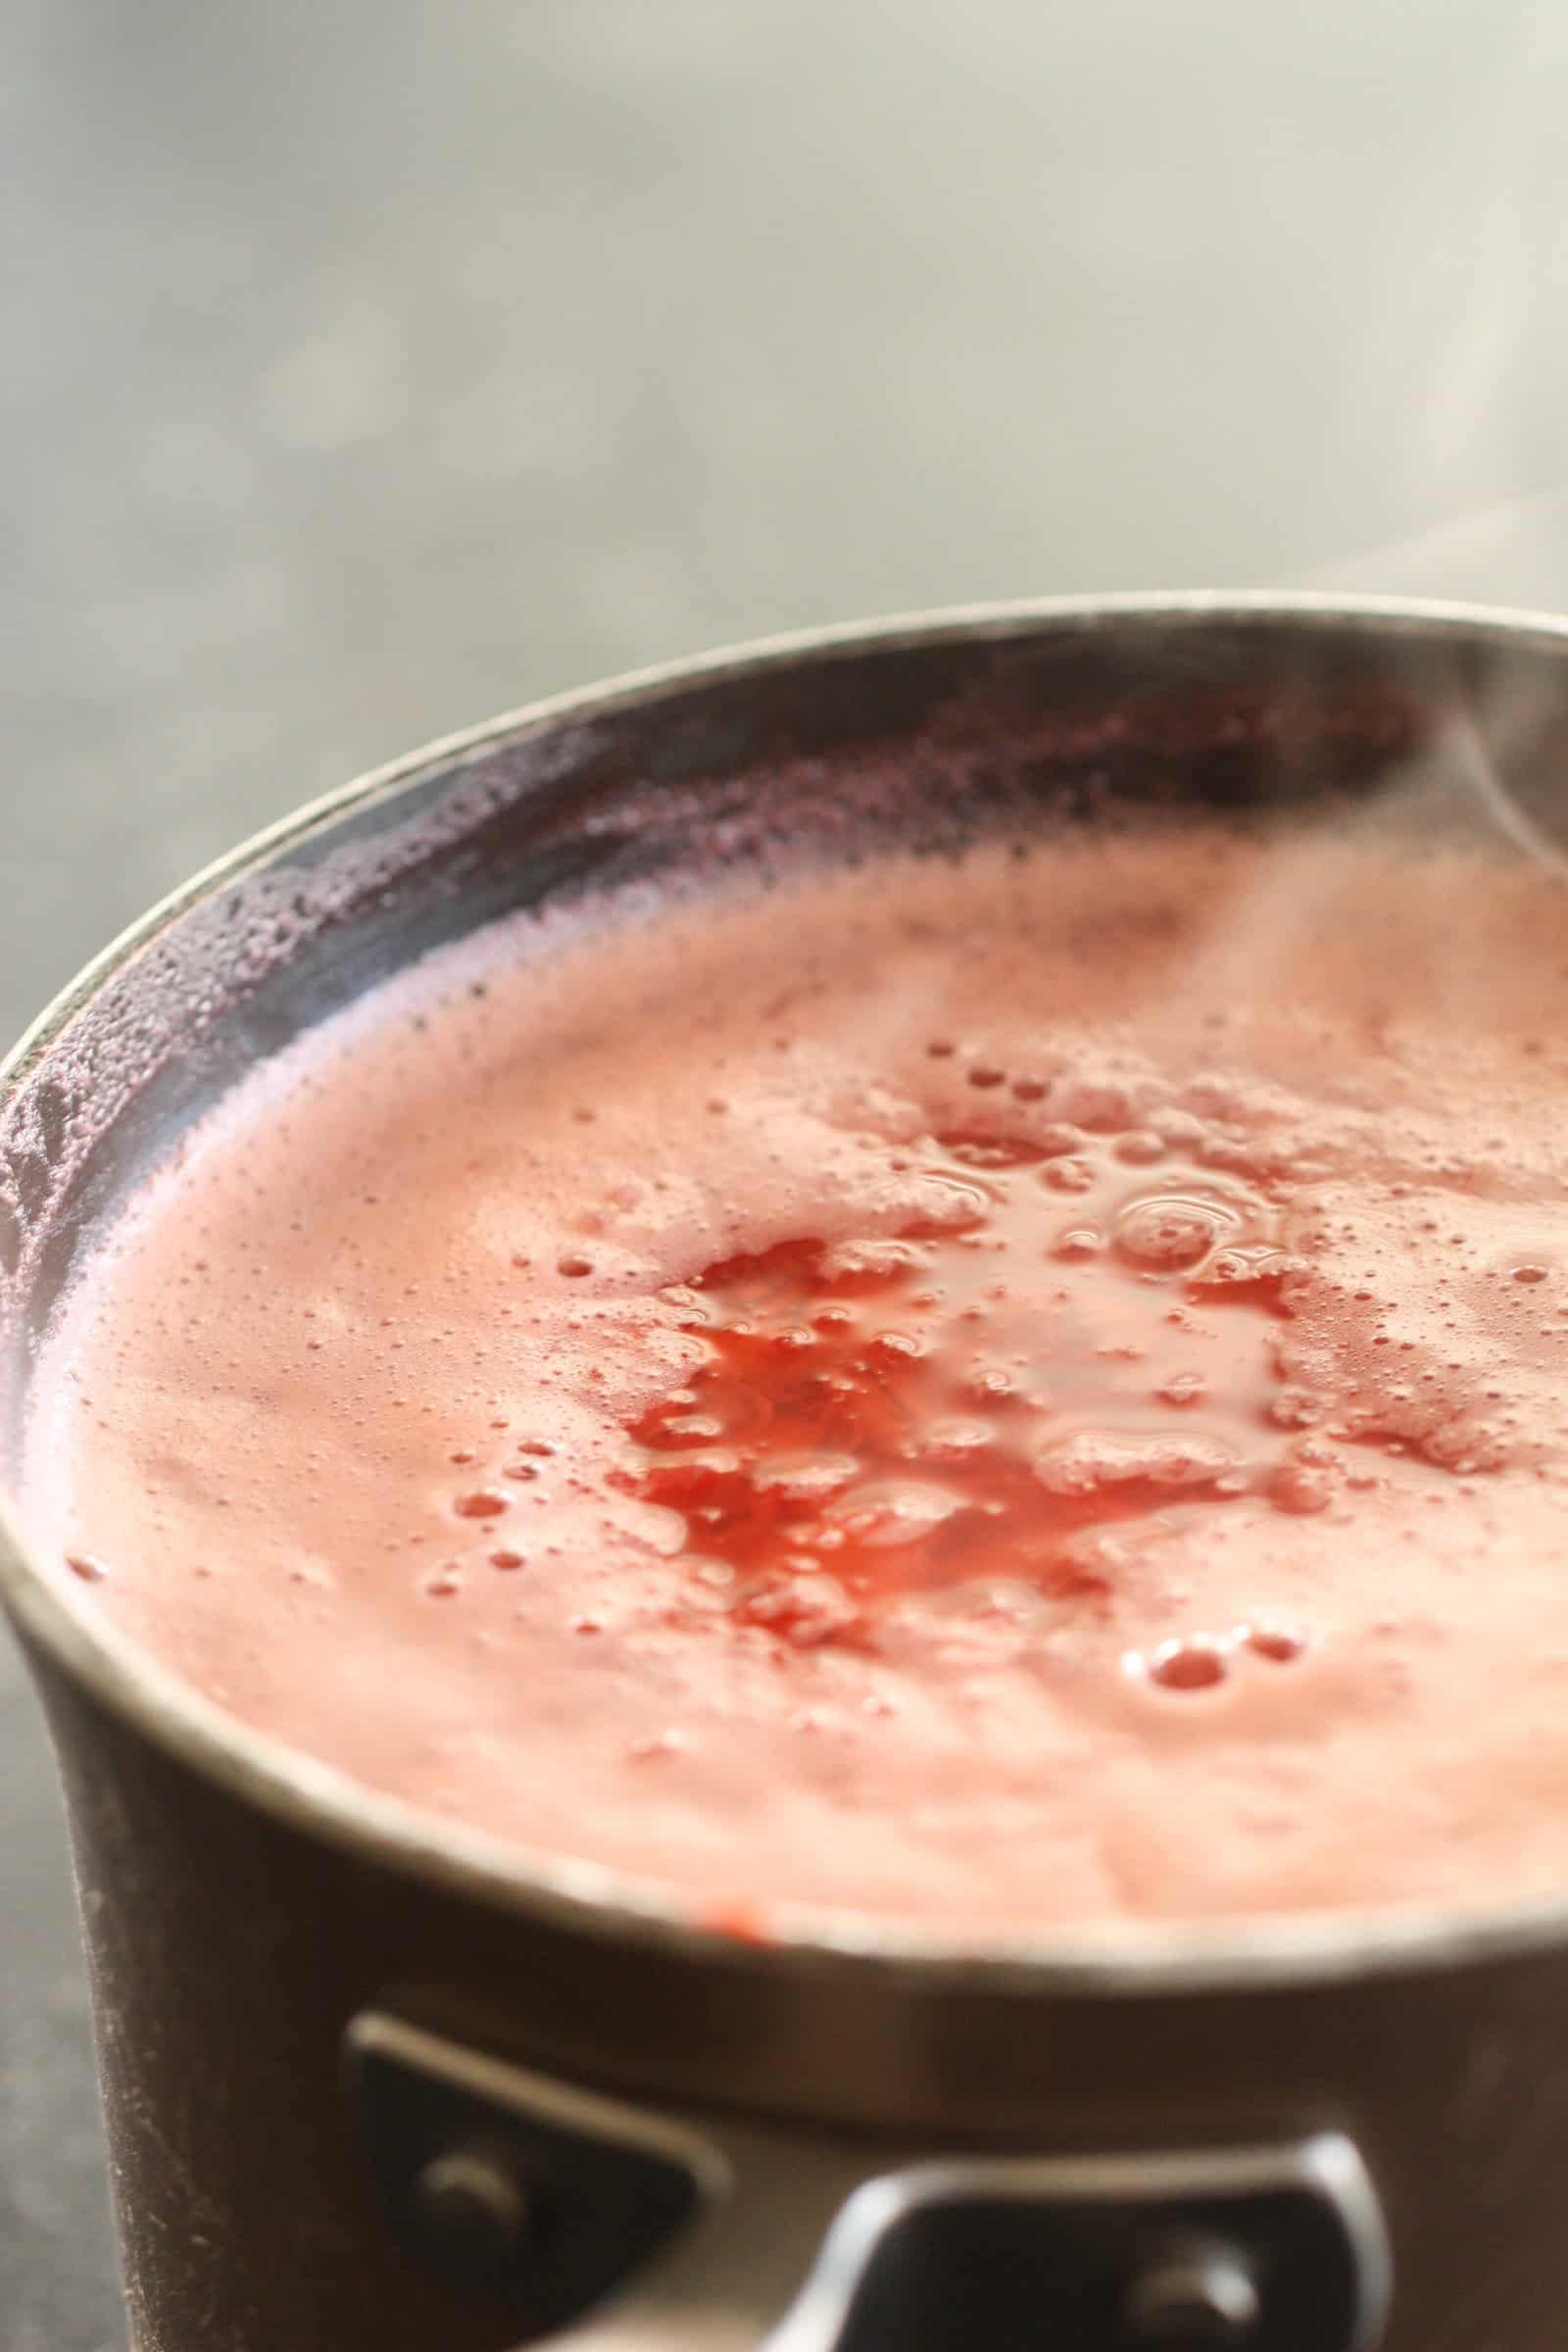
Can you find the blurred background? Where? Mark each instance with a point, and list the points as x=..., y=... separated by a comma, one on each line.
x=367, y=369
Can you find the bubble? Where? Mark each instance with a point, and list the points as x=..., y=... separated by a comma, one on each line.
x=679, y=1428
x=1232, y=1268
x=717, y=1575
x=1089, y=1461
x=990, y=1150
x=1180, y=1130
x=574, y=1265
x=505, y=1558
x=484, y=1504
x=1196, y=1664
x=1139, y=1148
x=1103, y=1108
x=867, y=1265
x=1168, y=1234
x=1300, y=1488
x=690, y=1478
x=806, y=1477
x=445, y=1582
x=1182, y=1389
x=892, y=1511
x=1530, y=1273
x=940, y=1048
x=1069, y=1175
x=87, y=1566
x=948, y=1206
x=1029, y=1090
x=837, y=1318
x=1275, y=1642
x=806, y=1612
x=1080, y=1242
x=1058, y=1140
x=656, y=1747
x=1295, y=1408
x=953, y=1441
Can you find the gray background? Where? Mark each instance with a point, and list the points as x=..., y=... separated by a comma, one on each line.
x=365, y=370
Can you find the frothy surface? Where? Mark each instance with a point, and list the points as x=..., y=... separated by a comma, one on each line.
x=1026, y=1391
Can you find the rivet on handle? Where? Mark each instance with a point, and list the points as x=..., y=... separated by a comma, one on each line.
x=472, y=2212
x=1199, y=2295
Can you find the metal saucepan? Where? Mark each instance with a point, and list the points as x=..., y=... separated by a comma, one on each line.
x=373, y=2082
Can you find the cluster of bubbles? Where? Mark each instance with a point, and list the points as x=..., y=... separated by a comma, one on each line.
x=1023, y=1365
x=487, y=1509
x=1074, y=1330
x=1201, y=1661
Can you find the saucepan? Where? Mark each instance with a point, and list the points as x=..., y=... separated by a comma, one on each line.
x=372, y=2081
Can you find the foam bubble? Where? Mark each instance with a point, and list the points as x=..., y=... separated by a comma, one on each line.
x=1168, y=1233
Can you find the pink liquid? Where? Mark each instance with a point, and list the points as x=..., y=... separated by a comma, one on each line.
x=1029, y=1391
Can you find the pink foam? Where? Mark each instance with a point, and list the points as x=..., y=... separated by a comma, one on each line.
x=342, y=1417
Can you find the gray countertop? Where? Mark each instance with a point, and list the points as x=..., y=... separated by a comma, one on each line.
x=369, y=369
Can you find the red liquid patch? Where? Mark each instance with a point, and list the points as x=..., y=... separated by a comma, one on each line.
x=983, y=1395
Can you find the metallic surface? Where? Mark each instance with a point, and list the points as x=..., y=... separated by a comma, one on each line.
x=472, y=2211
x=1199, y=2293
x=1279, y=2248
x=243, y=1906
x=1282, y=2247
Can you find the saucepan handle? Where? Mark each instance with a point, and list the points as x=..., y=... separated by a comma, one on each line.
x=606, y=2228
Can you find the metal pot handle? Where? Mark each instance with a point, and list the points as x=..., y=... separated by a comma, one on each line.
x=610, y=2228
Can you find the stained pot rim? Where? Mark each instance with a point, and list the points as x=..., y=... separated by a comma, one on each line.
x=320, y=1802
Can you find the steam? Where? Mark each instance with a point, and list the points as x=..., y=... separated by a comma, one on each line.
x=1471, y=340
x=1513, y=552
x=1458, y=378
